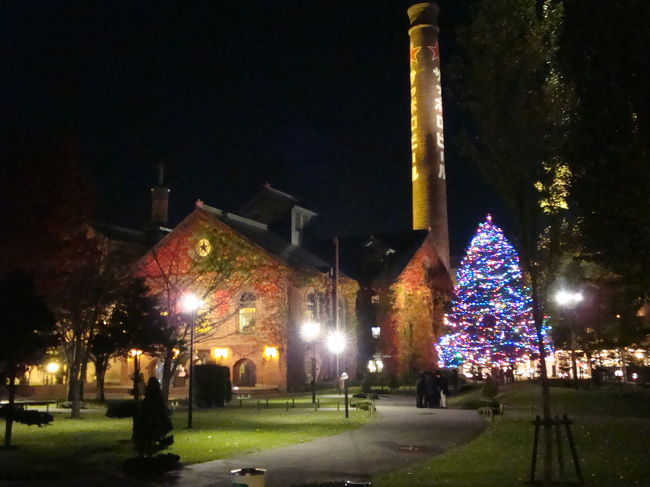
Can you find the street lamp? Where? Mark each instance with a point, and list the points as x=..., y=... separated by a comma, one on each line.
x=135, y=353
x=52, y=368
x=309, y=333
x=336, y=345
x=189, y=304
x=336, y=342
x=568, y=299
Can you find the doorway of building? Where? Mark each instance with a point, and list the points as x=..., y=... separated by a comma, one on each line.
x=244, y=373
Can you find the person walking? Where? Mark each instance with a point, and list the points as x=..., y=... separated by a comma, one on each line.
x=431, y=390
x=419, y=391
x=443, y=388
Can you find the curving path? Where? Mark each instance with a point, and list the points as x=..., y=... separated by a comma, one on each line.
x=402, y=434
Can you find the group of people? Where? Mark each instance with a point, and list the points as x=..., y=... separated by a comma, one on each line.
x=431, y=390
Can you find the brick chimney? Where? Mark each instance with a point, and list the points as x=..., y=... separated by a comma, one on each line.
x=427, y=139
x=159, y=200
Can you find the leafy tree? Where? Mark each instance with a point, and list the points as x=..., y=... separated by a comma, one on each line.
x=45, y=207
x=134, y=321
x=516, y=105
x=27, y=330
x=45, y=204
x=82, y=302
x=608, y=69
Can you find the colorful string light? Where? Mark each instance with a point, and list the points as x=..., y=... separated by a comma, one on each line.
x=491, y=322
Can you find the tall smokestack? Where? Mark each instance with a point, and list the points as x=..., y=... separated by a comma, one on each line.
x=159, y=199
x=427, y=138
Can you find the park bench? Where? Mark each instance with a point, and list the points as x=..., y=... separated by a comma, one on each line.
x=24, y=404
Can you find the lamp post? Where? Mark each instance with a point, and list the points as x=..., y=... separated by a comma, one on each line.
x=189, y=304
x=135, y=353
x=310, y=332
x=569, y=299
x=336, y=345
x=344, y=379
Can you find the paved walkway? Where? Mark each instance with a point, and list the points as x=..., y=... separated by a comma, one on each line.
x=402, y=434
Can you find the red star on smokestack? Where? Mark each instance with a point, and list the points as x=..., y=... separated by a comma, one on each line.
x=435, y=50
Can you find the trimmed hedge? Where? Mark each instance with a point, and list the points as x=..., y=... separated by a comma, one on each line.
x=124, y=408
x=212, y=387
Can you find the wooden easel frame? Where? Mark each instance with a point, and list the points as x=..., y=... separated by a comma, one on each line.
x=557, y=423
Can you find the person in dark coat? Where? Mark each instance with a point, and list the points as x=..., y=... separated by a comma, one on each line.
x=443, y=387
x=431, y=390
x=419, y=391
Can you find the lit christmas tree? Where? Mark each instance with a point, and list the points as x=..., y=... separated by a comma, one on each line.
x=491, y=322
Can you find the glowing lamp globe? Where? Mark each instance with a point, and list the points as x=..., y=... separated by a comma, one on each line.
x=190, y=303
x=336, y=343
x=310, y=331
x=52, y=368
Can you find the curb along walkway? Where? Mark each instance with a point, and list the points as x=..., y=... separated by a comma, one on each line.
x=401, y=434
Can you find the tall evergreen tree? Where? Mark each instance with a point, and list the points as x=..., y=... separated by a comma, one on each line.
x=491, y=318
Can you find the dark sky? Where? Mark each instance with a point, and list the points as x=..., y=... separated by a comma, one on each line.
x=310, y=96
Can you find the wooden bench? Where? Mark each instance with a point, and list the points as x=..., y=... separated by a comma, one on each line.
x=45, y=403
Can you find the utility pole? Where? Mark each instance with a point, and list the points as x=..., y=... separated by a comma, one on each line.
x=335, y=296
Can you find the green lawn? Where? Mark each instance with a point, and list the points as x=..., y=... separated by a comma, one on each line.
x=611, y=431
x=70, y=448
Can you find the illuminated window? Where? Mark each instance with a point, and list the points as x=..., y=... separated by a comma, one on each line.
x=314, y=304
x=375, y=299
x=376, y=331
x=342, y=314
x=247, y=311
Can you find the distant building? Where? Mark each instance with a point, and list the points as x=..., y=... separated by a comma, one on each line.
x=255, y=310
x=403, y=288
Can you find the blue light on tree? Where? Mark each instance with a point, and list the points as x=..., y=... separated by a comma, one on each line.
x=490, y=323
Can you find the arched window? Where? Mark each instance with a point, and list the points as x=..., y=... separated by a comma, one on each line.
x=247, y=311
x=342, y=313
x=313, y=306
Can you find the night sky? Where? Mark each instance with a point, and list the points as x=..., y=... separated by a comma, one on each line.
x=309, y=96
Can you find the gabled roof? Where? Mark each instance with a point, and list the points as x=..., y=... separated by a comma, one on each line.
x=268, y=206
x=380, y=256
x=122, y=234
x=258, y=233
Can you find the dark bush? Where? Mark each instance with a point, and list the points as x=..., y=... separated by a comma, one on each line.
x=212, y=386
x=152, y=422
x=30, y=417
x=490, y=388
x=124, y=408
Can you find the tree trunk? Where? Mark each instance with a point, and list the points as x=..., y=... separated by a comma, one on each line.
x=9, y=420
x=76, y=382
x=82, y=377
x=101, y=365
x=168, y=369
x=538, y=317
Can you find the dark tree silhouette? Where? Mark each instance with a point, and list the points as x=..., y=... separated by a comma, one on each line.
x=151, y=422
x=27, y=330
x=134, y=322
